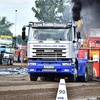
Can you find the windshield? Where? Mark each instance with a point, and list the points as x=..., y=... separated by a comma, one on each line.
x=50, y=34
x=5, y=42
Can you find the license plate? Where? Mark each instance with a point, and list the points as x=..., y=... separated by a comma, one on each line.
x=48, y=50
x=49, y=67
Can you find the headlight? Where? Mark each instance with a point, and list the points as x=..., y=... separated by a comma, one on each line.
x=66, y=64
x=32, y=63
x=67, y=70
x=31, y=69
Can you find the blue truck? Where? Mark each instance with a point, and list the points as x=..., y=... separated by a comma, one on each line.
x=52, y=51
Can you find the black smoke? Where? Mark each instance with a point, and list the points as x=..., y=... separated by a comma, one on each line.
x=78, y=6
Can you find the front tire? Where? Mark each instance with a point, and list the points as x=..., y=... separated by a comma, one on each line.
x=72, y=78
x=33, y=77
x=8, y=62
x=1, y=61
x=11, y=62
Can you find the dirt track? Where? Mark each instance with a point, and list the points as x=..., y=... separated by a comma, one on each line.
x=19, y=87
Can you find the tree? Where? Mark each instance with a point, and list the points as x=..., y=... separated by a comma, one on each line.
x=49, y=10
x=4, y=26
x=20, y=41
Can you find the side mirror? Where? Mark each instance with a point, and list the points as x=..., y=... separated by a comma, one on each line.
x=14, y=42
x=23, y=33
x=78, y=35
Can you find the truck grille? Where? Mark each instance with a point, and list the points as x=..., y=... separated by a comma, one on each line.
x=48, y=69
x=41, y=53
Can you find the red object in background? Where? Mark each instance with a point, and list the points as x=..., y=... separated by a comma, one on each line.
x=25, y=59
x=17, y=52
x=96, y=68
x=82, y=54
x=22, y=53
x=24, y=47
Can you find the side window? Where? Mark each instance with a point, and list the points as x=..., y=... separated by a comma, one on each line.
x=14, y=41
x=69, y=35
x=30, y=34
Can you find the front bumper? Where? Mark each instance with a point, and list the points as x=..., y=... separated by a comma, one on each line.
x=51, y=67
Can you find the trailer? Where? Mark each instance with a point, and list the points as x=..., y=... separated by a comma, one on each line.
x=52, y=51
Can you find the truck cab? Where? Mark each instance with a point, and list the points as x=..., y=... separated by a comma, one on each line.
x=6, y=50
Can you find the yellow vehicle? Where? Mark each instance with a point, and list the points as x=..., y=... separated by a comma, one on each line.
x=7, y=49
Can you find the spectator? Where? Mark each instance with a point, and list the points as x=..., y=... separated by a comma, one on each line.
x=22, y=56
x=17, y=52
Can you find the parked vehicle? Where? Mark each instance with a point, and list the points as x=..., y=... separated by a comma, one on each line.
x=7, y=50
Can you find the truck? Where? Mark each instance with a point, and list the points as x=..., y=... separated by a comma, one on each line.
x=52, y=51
x=7, y=49
x=91, y=48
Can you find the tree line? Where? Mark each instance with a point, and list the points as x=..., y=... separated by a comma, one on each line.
x=45, y=11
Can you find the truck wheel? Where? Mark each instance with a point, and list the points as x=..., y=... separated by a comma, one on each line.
x=86, y=75
x=33, y=77
x=1, y=61
x=84, y=78
x=72, y=78
x=8, y=62
x=11, y=61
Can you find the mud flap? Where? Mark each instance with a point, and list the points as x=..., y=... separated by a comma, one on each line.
x=90, y=70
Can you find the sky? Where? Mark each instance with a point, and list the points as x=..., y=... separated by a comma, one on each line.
x=23, y=15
